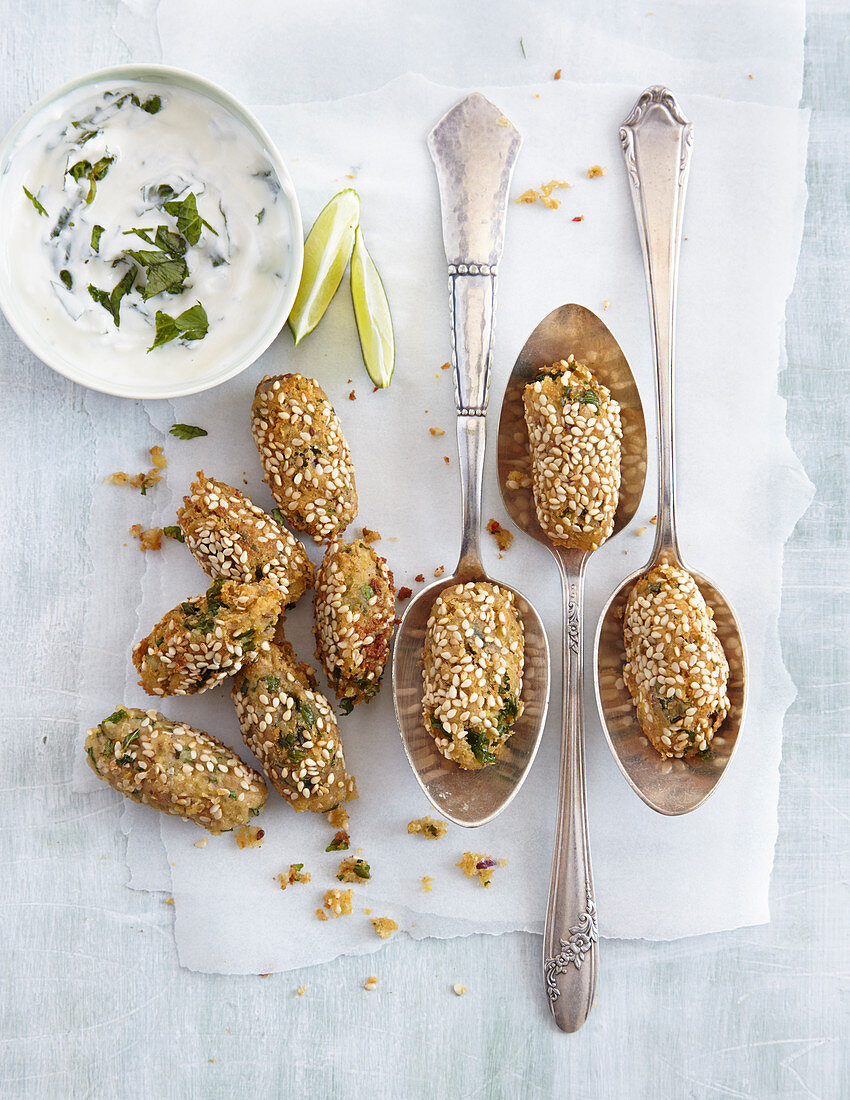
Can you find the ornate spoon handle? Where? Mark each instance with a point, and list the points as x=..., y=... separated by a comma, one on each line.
x=657, y=141
x=570, y=942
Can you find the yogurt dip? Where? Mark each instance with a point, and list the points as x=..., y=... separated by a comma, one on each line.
x=117, y=156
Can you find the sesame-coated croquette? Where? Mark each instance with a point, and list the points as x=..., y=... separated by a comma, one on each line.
x=355, y=617
x=575, y=438
x=472, y=672
x=207, y=638
x=175, y=768
x=231, y=537
x=305, y=456
x=675, y=670
x=291, y=729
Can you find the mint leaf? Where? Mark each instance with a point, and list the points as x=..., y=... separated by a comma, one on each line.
x=169, y=241
x=173, y=533
x=191, y=324
x=151, y=105
x=166, y=329
x=111, y=302
x=143, y=233
x=35, y=202
x=66, y=278
x=97, y=231
x=162, y=272
x=85, y=170
x=186, y=431
x=189, y=221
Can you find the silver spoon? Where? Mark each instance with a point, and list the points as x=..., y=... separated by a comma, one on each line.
x=474, y=148
x=570, y=945
x=657, y=141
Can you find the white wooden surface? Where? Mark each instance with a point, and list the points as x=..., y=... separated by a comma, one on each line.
x=92, y=1002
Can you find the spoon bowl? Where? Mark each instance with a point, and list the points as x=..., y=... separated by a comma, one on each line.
x=669, y=787
x=570, y=329
x=468, y=798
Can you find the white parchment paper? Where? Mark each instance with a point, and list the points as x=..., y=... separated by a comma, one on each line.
x=741, y=490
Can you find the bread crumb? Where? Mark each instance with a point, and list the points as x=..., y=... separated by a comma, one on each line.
x=338, y=902
x=371, y=536
x=367, y=911
x=169, y=901
x=356, y=870
x=249, y=836
x=371, y=983
x=158, y=458
x=419, y=578
x=595, y=170
x=477, y=864
x=150, y=539
x=340, y=843
x=459, y=989
x=404, y=593
x=352, y=396
x=141, y=481
x=544, y=195
x=606, y=304
x=426, y=881
x=438, y=572
x=436, y=431
x=294, y=874
x=338, y=817
x=321, y=915
x=557, y=75
x=301, y=990
x=640, y=531
x=202, y=843
x=503, y=537
x=578, y=218
x=384, y=926
x=446, y=366
x=447, y=460
x=654, y=520
x=427, y=826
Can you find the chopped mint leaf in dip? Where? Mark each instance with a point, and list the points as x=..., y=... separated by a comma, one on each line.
x=191, y=324
x=35, y=202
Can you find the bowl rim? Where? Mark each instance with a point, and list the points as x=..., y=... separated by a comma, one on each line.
x=201, y=85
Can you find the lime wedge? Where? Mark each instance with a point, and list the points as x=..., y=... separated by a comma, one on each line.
x=372, y=313
x=327, y=251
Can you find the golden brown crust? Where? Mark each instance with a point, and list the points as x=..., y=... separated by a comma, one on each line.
x=291, y=729
x=231, y=537
x=354, y=619
x=574, y=434
x=304, y=453
x=207, y=638
x=472, y=672
x=675, y=670
x=176, y=769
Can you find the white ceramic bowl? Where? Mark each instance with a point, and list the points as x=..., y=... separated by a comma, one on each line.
x=207, y=371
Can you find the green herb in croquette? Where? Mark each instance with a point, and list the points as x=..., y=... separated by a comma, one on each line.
x=175, y=768
x=472, y=672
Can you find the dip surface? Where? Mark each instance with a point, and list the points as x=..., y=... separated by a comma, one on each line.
x=158, y=142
